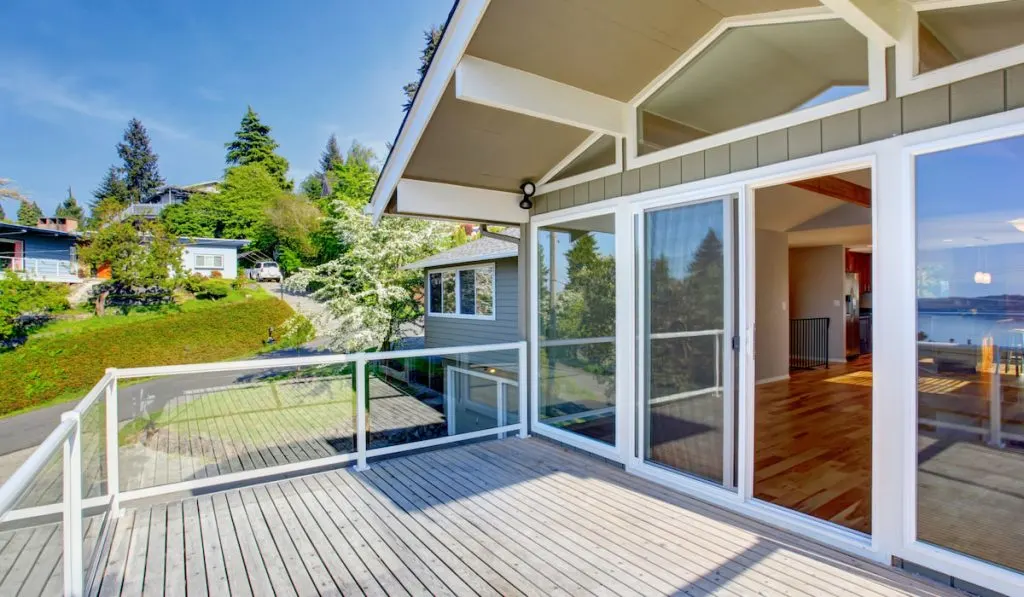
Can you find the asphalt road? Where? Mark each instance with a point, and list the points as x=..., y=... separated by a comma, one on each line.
x=30, y=429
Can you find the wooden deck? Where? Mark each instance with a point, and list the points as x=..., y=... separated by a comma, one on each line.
x=511, y=517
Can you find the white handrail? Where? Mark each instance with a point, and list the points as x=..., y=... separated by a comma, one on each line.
x=16, y=486
x=333, y=359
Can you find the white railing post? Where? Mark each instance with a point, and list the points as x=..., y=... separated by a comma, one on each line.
x=502, y=414
x=113, y=457
x=360, y=373
x=995, y=405
x=73, y=562
x=449, y=399
x=523, y=392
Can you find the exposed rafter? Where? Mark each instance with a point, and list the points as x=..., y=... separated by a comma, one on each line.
x=498, y=86
x=837, y=188
x=879, y=20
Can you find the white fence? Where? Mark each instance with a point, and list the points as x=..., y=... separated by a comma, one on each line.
x=91, y=480
x=42, y=270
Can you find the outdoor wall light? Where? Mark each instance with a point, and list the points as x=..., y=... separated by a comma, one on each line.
x=528, y=189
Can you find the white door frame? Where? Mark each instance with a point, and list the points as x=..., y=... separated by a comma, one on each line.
x=894, y=424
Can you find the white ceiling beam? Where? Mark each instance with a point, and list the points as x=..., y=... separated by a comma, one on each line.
x=498, y=86
x=456, y=202
x=878, y=20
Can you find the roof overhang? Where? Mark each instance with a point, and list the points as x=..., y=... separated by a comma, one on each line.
x=517, y=87
x=227, y=243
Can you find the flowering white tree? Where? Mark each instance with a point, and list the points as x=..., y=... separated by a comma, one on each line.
x=365, y=289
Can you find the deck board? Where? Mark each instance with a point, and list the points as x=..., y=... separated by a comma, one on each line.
x=509, y=517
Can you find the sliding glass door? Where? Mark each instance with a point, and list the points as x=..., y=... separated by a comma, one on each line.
x=685, y=315
x=576, y=359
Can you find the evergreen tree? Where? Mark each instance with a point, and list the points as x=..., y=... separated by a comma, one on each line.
x=331, y=156
x=112, y=187
x=431, y=38
x=70, y=208
x=29, y=213
x=140, y=171
x=254, y=145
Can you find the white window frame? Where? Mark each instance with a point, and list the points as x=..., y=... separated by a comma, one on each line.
x=546, y=185
x=458, y=292
x=875, y=93
x=196, y=257
x=909, y=80
x=950, y=562
x=894, y=423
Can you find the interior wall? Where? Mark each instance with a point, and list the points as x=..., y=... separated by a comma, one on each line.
x=771, y=343
x=816, y=278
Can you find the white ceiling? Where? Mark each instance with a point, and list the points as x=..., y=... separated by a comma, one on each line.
x=811, y=219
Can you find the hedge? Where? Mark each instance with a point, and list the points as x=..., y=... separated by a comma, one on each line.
x=65, y=366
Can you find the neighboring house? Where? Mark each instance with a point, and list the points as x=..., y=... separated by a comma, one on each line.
x=153, y=204
x=841, y=176
x=208, y=255
x=46, y=252
x=472, y=292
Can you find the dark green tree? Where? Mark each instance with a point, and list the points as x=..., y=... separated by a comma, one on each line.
x=431, y=39
x=111, y=187
x=29, y=213
x=331, y=155
x=70, y=208
x=139, y=169
x=254, y=145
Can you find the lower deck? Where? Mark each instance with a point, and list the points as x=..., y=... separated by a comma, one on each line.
x=511, y=517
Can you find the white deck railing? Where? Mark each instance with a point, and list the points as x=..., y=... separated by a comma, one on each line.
x=43, y=270
x=100, y=463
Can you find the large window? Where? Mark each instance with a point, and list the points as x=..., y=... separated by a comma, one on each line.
x=576, y=322
x=947, y=36
x=753, y=73
x=462, y=292
x=970, y=339
x=209, y=261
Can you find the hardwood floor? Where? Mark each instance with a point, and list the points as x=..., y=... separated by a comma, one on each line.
x=813, y=443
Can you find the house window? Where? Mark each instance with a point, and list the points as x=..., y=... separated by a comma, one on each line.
x=970, y=304
x=947, y=36
x=462, y=292
x=751, y=74
x=205, y=261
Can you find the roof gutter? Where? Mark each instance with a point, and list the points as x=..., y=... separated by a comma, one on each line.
x=458, y=31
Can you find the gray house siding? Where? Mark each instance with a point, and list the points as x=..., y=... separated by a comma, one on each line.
x=454, y=331
x=990, y=93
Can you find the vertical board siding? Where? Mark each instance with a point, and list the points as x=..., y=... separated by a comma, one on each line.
x=986, y=94
x=454, y=331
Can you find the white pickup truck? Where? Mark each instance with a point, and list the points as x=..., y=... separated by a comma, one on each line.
x=265, y=271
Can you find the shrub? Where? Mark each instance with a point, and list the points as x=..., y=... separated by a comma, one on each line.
x=129, y=298
x=295, y=331
x=24, y=304
x=238, y=283
x=66, y=365
x=215, y=274
x=213, y=289
x=193, y=282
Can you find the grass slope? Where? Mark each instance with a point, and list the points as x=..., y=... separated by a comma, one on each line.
x=63, y=363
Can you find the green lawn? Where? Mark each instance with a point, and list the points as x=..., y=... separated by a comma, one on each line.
x=63, y=360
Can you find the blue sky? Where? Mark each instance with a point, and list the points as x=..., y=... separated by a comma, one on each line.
x=73, y=73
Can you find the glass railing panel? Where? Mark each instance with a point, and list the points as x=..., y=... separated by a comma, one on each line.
x=31, y=536
x=179, y=428
x=428, y=398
